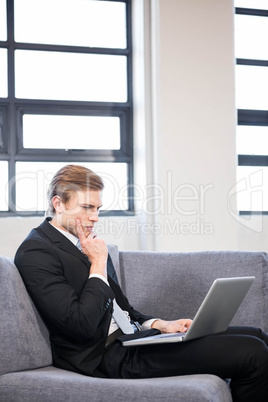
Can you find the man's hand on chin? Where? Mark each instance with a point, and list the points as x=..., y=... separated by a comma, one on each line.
x=95, y=249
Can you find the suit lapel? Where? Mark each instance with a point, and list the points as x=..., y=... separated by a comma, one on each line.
x=61, y=241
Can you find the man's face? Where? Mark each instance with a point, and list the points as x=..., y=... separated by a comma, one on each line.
x=83, y=205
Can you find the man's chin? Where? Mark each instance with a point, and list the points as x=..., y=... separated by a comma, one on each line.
x=72, y=230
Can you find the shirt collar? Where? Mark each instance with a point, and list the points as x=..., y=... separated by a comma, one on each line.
x=69, y=235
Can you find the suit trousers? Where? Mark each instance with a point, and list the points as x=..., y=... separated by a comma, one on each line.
x=239, y=354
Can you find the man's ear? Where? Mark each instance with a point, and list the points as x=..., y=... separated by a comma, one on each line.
x=57, y=204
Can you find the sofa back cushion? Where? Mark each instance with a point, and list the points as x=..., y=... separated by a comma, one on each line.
x=114, y=254
x=173, y=285
x=24, y=339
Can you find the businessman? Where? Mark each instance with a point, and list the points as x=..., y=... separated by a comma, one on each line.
x=71, y=279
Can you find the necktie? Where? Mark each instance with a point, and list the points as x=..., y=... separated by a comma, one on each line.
x=121, y=319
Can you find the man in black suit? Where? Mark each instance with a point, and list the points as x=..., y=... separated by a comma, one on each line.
x=77, y=295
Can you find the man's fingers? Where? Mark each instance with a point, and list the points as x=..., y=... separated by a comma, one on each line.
x=188, y=323
x=80, y=230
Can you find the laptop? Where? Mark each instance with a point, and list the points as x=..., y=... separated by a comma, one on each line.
x=213, y=316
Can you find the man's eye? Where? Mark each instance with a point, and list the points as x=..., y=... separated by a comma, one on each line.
x=90, y=207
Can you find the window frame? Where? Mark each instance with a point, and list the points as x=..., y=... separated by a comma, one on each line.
x=12, y=109
x=249, y=117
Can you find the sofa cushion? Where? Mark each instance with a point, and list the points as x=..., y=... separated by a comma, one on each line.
x=24, y=338
x=114, y=254
x=180, y=281
x=55, y=385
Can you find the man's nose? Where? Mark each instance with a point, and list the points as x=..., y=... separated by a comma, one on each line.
x=94, y=217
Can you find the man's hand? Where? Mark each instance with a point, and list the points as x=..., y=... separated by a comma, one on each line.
x=95, y=249
x=172, y=326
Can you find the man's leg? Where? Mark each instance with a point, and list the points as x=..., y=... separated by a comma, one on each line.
x=252, y=331
x=242, y=358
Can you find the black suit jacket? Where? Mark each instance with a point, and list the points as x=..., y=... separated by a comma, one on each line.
x=77, y=311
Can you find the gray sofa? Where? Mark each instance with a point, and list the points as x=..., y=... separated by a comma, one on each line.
x=166, y=285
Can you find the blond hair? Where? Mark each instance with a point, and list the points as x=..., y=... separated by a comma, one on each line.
x=69, y=179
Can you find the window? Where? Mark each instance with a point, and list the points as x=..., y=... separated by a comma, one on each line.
x=65, y=97
x=251, y=32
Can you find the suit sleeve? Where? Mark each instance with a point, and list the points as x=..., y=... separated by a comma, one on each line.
x=64, y=312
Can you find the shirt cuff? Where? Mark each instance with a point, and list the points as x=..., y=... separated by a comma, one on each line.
x=147, y=324
x=100, y=277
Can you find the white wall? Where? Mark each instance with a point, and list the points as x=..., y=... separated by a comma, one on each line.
x=185, y=159
x=13, y=231
x=195, y=124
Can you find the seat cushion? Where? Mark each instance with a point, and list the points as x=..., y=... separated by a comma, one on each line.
x=55, y=385
x=24, y=338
